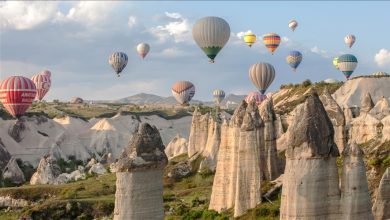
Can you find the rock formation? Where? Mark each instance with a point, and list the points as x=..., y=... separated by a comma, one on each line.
x=139, y=187
x=199, y=132
x=98, y=169
x=238, y=172
x=47, y=171
x=16, y=131
x=381, y=208
x=310, y=183
x=366, y=104
x=381, y=108
x=364, y=128
x=13, y=173
x=210, y=152
x=176, y=147
x=270, y=165
x=386, y=128
x=337, y=118
x=4, y=156
x=355, y=196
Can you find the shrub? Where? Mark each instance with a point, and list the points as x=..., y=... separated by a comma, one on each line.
x=306, y=83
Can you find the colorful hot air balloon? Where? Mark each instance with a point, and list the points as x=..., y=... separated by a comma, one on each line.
x=183, y=91
x=46, y=73
x=262, y=75
x=336, y=62
x=219, y=95
x=143, y=49
x=256, y=96
x=249, y=38
x=294, y=58
x=211, y=34
x=347, y=64
x=380, y=73
x=271, y=41
x=293, y=24
x=350, y=40
x=42, y=83
x=17, y=94
x=118, y=61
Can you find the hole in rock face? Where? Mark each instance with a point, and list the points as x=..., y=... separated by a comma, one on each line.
x=354, y=188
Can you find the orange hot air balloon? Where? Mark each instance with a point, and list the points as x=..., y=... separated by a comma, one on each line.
x=43, y=83
x=271, y=41
x=17, y=94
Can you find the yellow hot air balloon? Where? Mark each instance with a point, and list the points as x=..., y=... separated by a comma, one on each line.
x=336, y=62
x=271, y=41
x=249, y=38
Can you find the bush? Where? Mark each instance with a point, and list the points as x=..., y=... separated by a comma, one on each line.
x=306, y=83
x=193, y=214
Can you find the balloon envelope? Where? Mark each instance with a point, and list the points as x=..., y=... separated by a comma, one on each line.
x=262, y=75
x=347, y=64
x=350, y=40
x=143, y=49
x=249, y=38
x=17, y=94
x=271, y=41
x=118, y=61
x=42, y=83
x=219, y=95
x=46, y=73
x=294, y=58
x=183, y=91
x=336, y=62
x=255, y=96
x=211, y=34
x=293, y=24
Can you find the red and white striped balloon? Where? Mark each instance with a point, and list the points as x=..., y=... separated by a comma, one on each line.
x=43, y=83
x=17, y=94
x=257, y=96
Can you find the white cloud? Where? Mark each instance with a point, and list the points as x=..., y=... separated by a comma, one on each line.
x=132, y=21
x=179, y=29
x=241, y=34
x=90, y=12
x=382, y=58
x=319, y=51
x=26, y=15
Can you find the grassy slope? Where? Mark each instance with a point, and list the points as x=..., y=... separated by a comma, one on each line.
x=187, y=198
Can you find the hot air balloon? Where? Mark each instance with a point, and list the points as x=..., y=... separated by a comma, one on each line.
x=42, y=83
x=219, y=95
x=211, y=34
x=183, y=91
x=249, y=38
x=256, y=96
x=17, y=94
x=118, y=61
x=143, y=49
x=350, y=40
x=293, y=24
x=46, y=73
x=271, y=41
x=336, y=62
x=347, y=64
x=294, y=58
x=380, y=73
x=262, y=75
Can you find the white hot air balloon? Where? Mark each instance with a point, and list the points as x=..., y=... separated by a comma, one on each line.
x=143, y=49
x=183, y=91
x=350, y=40
x=262, y=75
x=293, y=24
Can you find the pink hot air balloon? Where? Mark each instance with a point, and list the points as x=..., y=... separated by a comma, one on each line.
x=46, y=73
x=258, y=97
x=17, y=94
x=43, y=83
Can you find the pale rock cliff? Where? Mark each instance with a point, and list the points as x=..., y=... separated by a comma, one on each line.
x=381, y=208
x=176, y=147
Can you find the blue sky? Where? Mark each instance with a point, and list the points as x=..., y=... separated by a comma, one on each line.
x=74, y=40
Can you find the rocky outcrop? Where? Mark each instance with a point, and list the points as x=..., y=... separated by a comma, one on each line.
x=238, y=172
x=310, y=182
x=364, y=128
x=381, y=208
x=4, y=156
x=199, y=132
x=176, y=147
x=386, y=128
x=366, y=103
x=16, y=131
x=8, y=201
x=355, y=196
x=76, y=175
x=98, y=169
x=270, y=166
x=210, y=153
x=381, y=108
x=47, y=171
x=13, y=173
x=139, y=187
x=337, y=118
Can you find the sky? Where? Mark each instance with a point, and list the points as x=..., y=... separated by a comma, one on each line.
x=74, y=40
